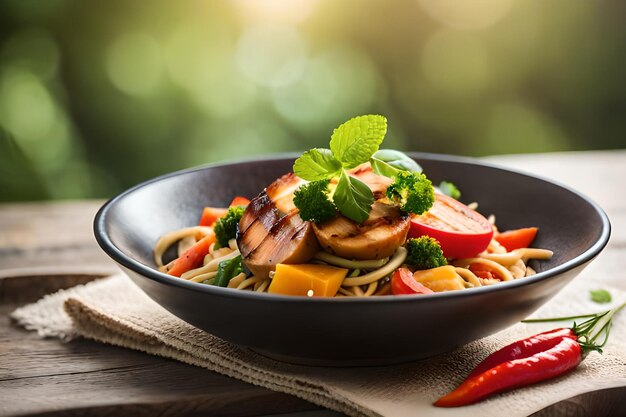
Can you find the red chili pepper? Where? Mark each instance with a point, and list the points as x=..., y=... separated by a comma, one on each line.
x=524, y=348
x=562, y=357
x=537, y=358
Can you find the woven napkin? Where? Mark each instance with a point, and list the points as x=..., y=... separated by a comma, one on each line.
x=113, y=310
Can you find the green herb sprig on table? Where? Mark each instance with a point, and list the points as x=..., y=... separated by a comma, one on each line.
x=600, y=296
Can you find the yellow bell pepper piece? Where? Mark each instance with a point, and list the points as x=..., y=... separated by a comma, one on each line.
x=443, y=278
x=307, y=280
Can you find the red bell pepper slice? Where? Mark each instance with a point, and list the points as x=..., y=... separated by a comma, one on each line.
x=516, y=239
x=402, y=282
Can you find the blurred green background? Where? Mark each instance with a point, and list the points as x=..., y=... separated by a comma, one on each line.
x=98, y=96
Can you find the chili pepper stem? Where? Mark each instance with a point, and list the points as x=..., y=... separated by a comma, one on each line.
x=552, y=319
x=589, y=330
x=604, y=321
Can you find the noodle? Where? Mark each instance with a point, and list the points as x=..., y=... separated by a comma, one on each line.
x=249, y=282
x=235, y=281
x=504, y=273
x=468, y=276
x=348, y=263
x=203, y=277
x=394, y=263
x=371, y=289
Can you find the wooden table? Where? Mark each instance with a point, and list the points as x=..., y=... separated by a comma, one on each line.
x=37, y=376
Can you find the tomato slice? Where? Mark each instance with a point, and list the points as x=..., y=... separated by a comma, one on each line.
x=402, y=282
x=461, y=231
x=516, y=239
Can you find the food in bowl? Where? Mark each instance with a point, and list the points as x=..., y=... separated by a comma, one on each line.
x=350, y=221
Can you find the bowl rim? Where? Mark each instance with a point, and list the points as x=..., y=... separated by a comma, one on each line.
x=105, y=242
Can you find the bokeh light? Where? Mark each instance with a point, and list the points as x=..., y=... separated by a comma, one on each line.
x=26, y=107
x=337, y=84
x=271, y=55
x=199, y=54
x=459, y=14
x=515, y=127
x=277, y=11
x=456, y=64
x=134, y=63
x=34, y=50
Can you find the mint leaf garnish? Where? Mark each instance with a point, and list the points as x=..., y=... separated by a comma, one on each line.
x=352, y=144
x=600, y=296
x=356, y=140
x=316, y=164
x=353, y=198
x=382, y=168
x=450, y=189
x=398, y=160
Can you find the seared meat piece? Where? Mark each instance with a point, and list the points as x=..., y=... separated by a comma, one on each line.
x=376, y=238
x=266, y=239
x=281, y=191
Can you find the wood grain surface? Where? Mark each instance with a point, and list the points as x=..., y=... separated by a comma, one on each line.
x=46, y=246
x=49, y=376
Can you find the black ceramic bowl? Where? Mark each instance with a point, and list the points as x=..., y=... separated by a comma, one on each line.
x=353, y=331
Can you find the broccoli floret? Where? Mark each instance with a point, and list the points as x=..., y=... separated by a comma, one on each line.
x=313, y=201
x=412, y=191
x=225, y=228
x=424, y=253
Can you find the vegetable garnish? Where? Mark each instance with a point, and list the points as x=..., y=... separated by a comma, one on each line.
x=396, y=159
x=600, y=296
x=225, y=228
x=413, y=192
x=537, y=358
x=424, y=253
x=352, y=144
x=315, y=202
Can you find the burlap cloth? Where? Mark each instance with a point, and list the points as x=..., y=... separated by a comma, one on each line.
x=113, y=310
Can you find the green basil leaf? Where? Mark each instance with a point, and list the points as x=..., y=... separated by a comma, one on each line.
x=398, y=160
x=353, y=198
x=382, y=168
x=450, y=189
x=600, y=296
x=226, y=270
x=316, y=164
x=355, y=141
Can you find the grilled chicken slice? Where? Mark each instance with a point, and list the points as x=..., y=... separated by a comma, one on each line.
x=281, y=191
x=266, y=239
x=290, y=241
x=376, y=238
x=256, y=222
